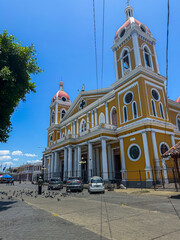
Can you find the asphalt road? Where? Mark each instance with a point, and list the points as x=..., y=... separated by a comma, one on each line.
x=82, y=216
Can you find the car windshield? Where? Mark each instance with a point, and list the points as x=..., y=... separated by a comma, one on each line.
x=96, y=180
x=54, y=180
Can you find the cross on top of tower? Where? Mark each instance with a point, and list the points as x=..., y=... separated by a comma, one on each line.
x=127, y=2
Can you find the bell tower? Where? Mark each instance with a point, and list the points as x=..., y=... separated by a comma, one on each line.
x=133, y=46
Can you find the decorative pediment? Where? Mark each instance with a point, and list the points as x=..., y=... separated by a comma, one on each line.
x=84, y=99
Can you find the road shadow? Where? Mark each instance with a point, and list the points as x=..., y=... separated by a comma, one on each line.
x=175, y=196
x=5, y=205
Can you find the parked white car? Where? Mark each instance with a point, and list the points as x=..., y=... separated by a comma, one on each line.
x=96, y=184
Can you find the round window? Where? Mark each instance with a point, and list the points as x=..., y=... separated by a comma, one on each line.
x=155, y=94
x=134, y=152
x=163, y=148
x=143, y=28
x=128, y=97
x=63, y=99
x=122, y=32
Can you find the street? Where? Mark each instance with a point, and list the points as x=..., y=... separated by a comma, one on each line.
x=113, y=215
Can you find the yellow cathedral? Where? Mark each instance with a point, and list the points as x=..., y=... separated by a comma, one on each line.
x=119, y=132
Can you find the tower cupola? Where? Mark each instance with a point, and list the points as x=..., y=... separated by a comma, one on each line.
x=61, y=84
x=134, y=46
x=129, y=12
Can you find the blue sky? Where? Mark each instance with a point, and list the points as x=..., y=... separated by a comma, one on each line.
x=62, y=32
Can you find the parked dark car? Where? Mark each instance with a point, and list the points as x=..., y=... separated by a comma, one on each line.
x=74, y=184
x=55, y=183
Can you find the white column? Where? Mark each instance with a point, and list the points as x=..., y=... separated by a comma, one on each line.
x=75, y=162
x=156, y=59
x=77, y=126
x=94, y=164
x=55, y=163
x=52, y=164
x=136, y=49
x=146, y=155
x=165, y=171
x=155, y=150
x=45, y=167
x=69, y=161
x=97, y=161
x=49, y=168
x=123, y=170
x=60, y=167
x=172, y=140
x=87, y=120
x=115, y=64
x=110, y=162
x=60, y=134
x=72, y=128
x=65, y=130
x=90, y=159
x=104, y=160
x=113, y=167
x=78, y=162
x=92, y=118
x=56, y=113
x=107, y=114
x=65, y=164
x=96, y=117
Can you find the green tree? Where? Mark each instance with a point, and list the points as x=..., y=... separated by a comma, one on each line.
x=17, y=63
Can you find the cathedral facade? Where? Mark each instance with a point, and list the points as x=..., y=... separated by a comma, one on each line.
x=119, y=132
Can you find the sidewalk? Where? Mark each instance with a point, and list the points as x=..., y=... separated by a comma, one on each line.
x=158, y=192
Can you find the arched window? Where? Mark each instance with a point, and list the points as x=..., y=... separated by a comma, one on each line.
x=83, y=126
x=163, y=147
x=134, y=107
x=178, y=122
x=125, y=61
x=63, y=112
x=147, y=57
x=114, y=116
x=125, y=114
x=153, y=108
x=101, y=118
x=161, y=110
x=63, y=135
x=52, y=117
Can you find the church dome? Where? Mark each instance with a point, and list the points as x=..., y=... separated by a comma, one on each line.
x=129, y=21
x=61, y=94
x=178, y=100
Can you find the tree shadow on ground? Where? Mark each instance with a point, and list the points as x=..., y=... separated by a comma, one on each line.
x=176, y=196
x=5, y=205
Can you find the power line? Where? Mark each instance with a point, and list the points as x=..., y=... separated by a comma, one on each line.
x=102, y=66
x=167, y=61
x=95, y=47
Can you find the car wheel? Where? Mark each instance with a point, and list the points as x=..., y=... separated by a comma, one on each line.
x=49, y=188
x=103, y=192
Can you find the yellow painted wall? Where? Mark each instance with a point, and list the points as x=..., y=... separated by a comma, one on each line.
x=133, y=167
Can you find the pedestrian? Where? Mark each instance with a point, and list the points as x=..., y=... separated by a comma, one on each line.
x=40, y=183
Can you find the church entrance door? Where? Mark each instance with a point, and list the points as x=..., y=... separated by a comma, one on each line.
x=117, y=165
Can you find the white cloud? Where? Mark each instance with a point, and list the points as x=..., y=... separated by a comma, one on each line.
x=34, y=161
x=15, y=159
x=5, y=158
x=17, y=153
x=30, y=155
x=4, y=152
x=8, y=164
